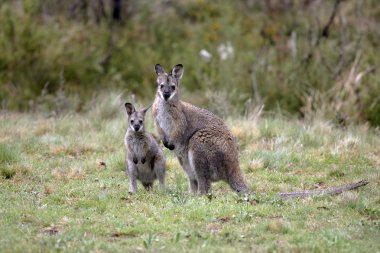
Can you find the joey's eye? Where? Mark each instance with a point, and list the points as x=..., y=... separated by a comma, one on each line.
x=161, y=86
x=140, y=121
x=132, y=121
x=173, y=87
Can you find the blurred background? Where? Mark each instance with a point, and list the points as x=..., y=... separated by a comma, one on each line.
x=301, y=58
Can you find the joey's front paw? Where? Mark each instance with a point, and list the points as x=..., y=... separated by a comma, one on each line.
x=143, y=160
x=135, y=161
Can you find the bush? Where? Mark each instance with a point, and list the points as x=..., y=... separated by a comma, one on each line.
x=278, y=55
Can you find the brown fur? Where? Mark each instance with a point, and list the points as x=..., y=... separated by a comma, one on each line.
x=202, y=142
x=205, y=147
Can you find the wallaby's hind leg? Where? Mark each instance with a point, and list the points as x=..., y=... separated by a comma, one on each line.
x=199, y=164
x=183, y=159
x=193, y=185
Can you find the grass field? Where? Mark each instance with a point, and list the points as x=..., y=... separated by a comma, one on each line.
x=64, y=189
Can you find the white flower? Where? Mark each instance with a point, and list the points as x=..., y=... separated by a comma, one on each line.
x=226, y=51
x=205, y=55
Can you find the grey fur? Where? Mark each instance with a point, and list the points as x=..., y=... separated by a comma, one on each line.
x=145, y=160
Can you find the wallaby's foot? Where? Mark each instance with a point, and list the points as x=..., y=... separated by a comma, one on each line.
x=161, y=182
x=143, y=160
x=238, y=185
x=204, y=186
x=162, y=187
x=148, y=186
x=135, y=160
x=132, y=190
x=210, y=196
x=132, y=184
x=193, y=186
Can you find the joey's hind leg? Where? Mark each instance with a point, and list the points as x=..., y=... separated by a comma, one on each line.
x=132, y=174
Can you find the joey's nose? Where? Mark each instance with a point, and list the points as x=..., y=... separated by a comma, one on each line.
x=136, y=127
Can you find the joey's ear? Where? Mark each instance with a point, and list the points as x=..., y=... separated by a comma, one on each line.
x=130, y=108
x=146, y=109
x=159, y=69
x=177, y=71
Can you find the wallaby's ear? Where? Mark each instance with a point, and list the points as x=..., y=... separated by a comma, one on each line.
x=146, y=109
x=130, y=108
x=159, y=69
x=177, y=71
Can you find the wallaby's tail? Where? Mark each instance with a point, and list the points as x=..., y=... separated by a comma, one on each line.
x=328, y=191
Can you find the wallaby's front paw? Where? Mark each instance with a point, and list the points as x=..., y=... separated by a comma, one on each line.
x=135, y=160
x=167, y=144
x=143, y=160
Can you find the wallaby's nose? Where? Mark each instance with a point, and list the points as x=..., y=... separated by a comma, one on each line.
x=166, y=95
x=136, y=127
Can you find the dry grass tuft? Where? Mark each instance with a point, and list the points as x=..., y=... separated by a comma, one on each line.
x=276, y=227
x=49, y=189
x=42, y=129
x=72, y=173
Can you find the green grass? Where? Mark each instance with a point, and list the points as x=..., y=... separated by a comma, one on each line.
x=55, y=197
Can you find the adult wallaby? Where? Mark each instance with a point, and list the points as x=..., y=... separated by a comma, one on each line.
x=145, y=160
x=204, y=146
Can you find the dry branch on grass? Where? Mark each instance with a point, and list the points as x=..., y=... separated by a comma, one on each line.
x=328, y=191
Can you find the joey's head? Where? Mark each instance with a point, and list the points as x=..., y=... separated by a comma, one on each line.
x=135, y=118
x=168, y=83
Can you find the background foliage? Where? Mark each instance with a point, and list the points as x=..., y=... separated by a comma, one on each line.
x=285, y=54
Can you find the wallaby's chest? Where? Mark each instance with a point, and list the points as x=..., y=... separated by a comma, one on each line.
x=166, y=120
x=137, y=145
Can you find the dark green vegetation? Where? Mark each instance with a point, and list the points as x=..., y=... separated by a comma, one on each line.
x=63, y=189
x=288, y=57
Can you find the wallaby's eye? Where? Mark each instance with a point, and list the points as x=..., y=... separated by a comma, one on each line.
x=140, y=121
x=161, y=86
x=132, y=121
x=173, y=87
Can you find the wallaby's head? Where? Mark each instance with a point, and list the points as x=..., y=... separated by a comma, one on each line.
x=168, y=83
x=135, y=118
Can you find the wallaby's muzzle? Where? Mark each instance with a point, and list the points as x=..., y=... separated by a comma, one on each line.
x=136, y=127
x=166, y=95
